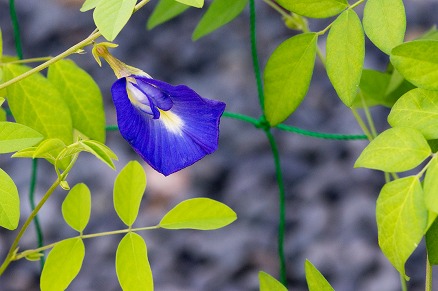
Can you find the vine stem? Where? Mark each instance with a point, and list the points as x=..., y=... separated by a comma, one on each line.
x=282, y=206
x=14, y=246
x=74, y=49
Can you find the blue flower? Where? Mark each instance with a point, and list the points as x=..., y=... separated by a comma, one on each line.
x=170, y=127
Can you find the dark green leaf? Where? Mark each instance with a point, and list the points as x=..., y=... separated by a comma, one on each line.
x=164, y=11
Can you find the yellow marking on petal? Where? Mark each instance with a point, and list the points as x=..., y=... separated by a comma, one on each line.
x=171, y=121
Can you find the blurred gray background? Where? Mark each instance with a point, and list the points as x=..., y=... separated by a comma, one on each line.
x=330, y=205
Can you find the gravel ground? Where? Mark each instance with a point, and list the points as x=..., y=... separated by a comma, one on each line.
x=330, y=205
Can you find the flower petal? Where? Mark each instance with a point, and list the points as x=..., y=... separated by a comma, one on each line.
x=160, y=98
x=180, y=137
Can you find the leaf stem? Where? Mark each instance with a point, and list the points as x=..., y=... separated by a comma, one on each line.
x=86, y=236
x=429, y=275
x=361, y=124
x=14, y=247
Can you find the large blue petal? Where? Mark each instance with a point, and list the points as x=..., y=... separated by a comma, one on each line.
x=170, y=149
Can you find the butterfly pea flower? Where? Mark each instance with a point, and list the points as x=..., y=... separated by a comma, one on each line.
x=170, y=127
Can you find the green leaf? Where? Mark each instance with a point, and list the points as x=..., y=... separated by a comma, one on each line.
x=2, y=100
x=164, y=11
x=432, y=243
x=49, y=149
x=1, y=44
x=401, y=219
x=431, y=186
x=373, y=85
x=100, y=151
x=111, y=16
x=35, y=102
x=384, y=22
x=9, y=202
x=417, y=61
x=345, y=55
x=132, y=265
x=315, y=8
x=3, y=115
x=62, y=265
x=397, y=149
x=269, y=283
x=417, y=109
x=76, y=207
x=15, y=137
x=194, y=3
x=82, y=96
x=129, y=188
x=315, y=280
x=287, y=76
x=198, y=213
x=218, y=14
x=2, y=91
x=89, y=4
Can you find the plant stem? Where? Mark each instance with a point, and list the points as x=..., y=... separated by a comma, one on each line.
x=403, y=283
x=66, y=53
x=428, y=282
x=282, y=207
x=362, y=124
x=254, y=54
x=16, y=27
x=93, y=235
x=13, y=249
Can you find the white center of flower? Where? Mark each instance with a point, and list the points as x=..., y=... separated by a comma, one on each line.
x=171, y=121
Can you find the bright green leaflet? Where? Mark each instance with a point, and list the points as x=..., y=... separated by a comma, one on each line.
x=194, y=3
x=401, y=219
x=432, y=243
x=82, y=96
x=287, y=76
x=384, y=22
x=417, y=61
x=431, y=186
x=345, y=55
x=132, y=265
x=62, y=265
x=1, y=44
x=2, y=91
x=2, y=100
x=89, y=4
x=417, y=109
x=15, y=137
x=3, y=115
x=111, y=16
x=269, y=283
x=373, y=86
x=315, y=8
x=164, y=11
x=129, y=188
x=315, y=280
x=198, y=213
x=218, y=14
x=9, y=202
x=49, y=149
x=76, y=207
x=100, y=151
x=397, y=149
x=35, y=102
